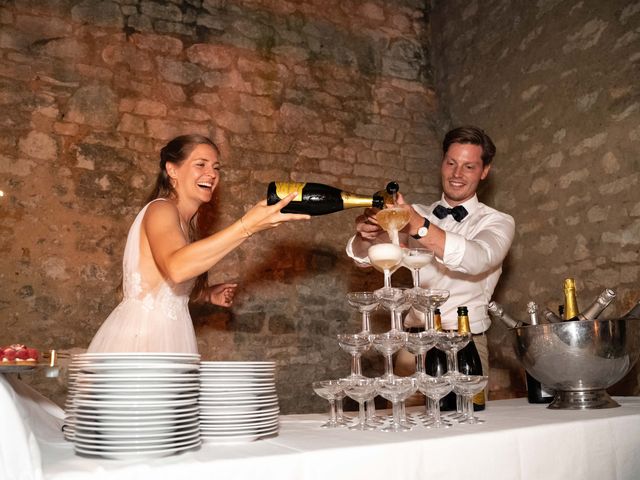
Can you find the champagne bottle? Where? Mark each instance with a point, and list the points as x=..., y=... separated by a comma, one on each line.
x=570, y=299
x=597, y=306
x=550, y=316
x=536, y=391
x=468, y=358
x=633, y=313
x=496, y=311
x=532, y=310
x=436, y=365
x=320, y=199
x=561, y=310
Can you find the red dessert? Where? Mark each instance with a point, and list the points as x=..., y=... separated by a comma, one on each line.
x=18, y=354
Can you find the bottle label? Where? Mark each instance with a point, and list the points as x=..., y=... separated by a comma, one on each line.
x=478, y=398
x=286, y=188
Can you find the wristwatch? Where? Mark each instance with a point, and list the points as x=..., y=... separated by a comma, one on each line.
x=422, y=231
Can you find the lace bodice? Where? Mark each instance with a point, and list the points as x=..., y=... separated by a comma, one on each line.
x=154, y=314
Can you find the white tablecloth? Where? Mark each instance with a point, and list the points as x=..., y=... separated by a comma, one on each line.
x=518, y=441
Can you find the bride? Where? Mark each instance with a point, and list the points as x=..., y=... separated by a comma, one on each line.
x=165, y=258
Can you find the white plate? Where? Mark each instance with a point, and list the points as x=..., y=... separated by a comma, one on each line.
x=139, y=377
x=136, y=412
x=261, y=432
x=211, y=427
x=152, y=453
x=99, y=417
x=146, y=367
x=136, y=387
x=237, y=409
x=239, y=363
x=101, y=396
x=220, y=400
x=234, y=373
x=229, y=439
x=121, y=440
x=130, y=404
x=239, y=415
x=134, y=423
x=237, y=383
x=138, y=356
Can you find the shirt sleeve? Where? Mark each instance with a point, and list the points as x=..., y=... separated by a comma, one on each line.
x=484, y=250
x=360, y=261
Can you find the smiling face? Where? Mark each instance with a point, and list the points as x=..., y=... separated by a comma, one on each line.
x=461, y=172
x=197, y=176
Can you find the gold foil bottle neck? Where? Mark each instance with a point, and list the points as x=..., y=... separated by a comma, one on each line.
x=463, y=324
x=437, y=322
x=570, y=299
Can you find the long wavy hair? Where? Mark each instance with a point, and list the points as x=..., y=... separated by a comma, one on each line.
x=176, y=152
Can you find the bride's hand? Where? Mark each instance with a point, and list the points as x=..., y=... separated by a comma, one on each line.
x=221, y=294
x=263, y=217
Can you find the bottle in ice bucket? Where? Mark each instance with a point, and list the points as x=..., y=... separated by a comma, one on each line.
x=320, y=199
x=469, y=358
x=570, y=299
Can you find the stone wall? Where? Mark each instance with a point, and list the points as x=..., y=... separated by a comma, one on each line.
x=338, y=92
x=557, y=85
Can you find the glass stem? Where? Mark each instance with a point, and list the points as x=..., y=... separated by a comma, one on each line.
x=339, y=408
x=395, y=409
x=450, y=362
x=469, y=407
x=356, y=366
x=361, y=414
x=396, y=320
x=416, y=277
x=455, y=360
x=430, y=325
x=366, y=324
x=388, y=365
x=387, y=278
x=420, y=363
x=371, y=409
x=332, y=410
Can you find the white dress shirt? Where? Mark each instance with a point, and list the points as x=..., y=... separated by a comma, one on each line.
x=472, y=263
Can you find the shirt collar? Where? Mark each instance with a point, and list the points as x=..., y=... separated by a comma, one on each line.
x=471, y=205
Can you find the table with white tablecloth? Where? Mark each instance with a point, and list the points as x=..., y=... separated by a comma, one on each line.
x=518, y=441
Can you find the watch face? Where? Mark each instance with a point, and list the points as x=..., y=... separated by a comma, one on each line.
x=422, y=231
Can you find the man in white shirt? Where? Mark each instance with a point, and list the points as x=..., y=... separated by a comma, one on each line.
x=469, y=239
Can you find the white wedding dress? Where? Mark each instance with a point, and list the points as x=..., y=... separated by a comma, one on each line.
x=151, y=317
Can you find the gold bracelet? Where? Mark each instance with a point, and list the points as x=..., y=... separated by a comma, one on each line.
x=246, y=230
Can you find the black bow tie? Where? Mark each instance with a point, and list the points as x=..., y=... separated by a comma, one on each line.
x=458, y=213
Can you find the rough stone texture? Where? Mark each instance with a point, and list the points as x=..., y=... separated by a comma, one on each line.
x=557, y=85
x=331, y=91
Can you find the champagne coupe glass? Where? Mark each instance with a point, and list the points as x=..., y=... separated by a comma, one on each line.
x=329, y=390
x=451, y=343
x=385, y=256
x=467, y=386
x=396, y=390
x=388, y=344
x=355, y=344
x=396, y=300
x=419, y=344
x=435, y=388
x=365, y=302
x=361, y=390
x=393, y=219
x=427, y=300
x=414, y=259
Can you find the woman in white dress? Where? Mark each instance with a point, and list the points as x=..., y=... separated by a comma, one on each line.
x=164, y=259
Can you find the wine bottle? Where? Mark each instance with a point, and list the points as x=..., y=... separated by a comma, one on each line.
x=436, y=365
x=570, y=299
x=320, y=199
x=536, y=391
x=496, y=311
x=594, y=310
x=468, y=358
x=561, y=310
x=550, y=316
x=633, y=313
x=532, y=310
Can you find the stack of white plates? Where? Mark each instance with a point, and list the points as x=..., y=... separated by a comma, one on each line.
x=129, y=405
x=238, y=401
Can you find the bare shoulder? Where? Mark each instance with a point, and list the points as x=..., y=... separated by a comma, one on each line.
x=160, y=212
